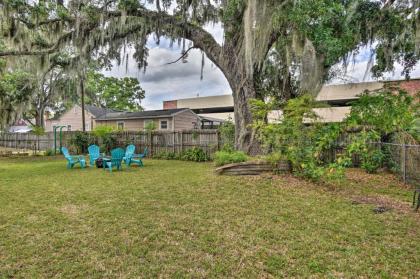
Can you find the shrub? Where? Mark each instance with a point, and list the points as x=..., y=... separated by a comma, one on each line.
x=150, y=126
x=372, y=161
x=227, y=136
x=102, y=130
x=195, y=154
x=291, y=137
x=49, y=152
x=223, y=157
x=81, y=141
x=105, y=133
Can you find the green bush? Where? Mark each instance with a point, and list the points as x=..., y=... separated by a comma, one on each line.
x=195, y=154
x=106, y=134
x=372, y=161
x=227, y=136
x=49, y=152
x=81, y=141
x=223, y=157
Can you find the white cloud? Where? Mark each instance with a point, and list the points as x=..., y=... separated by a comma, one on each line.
x=175, y=81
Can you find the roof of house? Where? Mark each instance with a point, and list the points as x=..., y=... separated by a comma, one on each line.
x=94, y=110
x=98, y=111
x=141, y=114
x=211, y=119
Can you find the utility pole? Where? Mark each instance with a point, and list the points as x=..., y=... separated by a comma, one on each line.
x=82, y=92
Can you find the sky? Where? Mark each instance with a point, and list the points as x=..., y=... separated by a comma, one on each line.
x=182, y=80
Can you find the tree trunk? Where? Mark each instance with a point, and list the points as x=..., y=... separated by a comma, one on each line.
x=244, y=136
x=39, y=119
x=243, y=90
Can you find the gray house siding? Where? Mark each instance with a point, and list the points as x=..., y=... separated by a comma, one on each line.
x=186, y=120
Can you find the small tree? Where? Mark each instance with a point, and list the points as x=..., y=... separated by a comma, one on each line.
x=38, y=131
x=105, y=134
x=227, y=135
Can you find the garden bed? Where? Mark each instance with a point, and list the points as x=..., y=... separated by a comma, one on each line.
x=252, y=168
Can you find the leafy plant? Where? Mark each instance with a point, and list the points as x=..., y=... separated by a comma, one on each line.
x=227, y=135
x=224, y=157
x=385, y=111
x=38, y=131
x=105, y=133
x=195, y=154
x=49, y=152
x=81, y=141
x=150, y=126
x=298, y=137
x=102, y=130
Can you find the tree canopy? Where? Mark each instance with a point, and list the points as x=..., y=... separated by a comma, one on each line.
x=114, y=93
x=267, y=45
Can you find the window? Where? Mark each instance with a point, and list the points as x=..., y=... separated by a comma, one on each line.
x=120, y=125
x=163, y=124
x=68, y=127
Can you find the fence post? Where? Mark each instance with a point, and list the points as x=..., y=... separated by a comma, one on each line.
x=173, y=143
x=218, y=140
x=405, y=163
x=182, y=142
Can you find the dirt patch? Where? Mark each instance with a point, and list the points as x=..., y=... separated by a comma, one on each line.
x=383, y=202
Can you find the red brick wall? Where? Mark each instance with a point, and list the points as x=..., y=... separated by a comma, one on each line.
x=170, y=104
x=411, y=86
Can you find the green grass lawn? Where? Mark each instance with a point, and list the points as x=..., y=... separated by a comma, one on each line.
x=178, y=219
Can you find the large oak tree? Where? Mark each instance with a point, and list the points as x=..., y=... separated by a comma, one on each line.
x=308, y=37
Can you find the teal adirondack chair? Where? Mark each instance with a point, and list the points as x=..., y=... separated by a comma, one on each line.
x=73, y=160
x=94, y=154
x=129, y=152
x=117, y=155
x=137, y=158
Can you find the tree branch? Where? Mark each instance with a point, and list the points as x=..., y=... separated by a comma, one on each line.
x=182, y=56
x=50, y=50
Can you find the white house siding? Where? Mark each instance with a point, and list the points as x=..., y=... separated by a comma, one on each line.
x=72, y=117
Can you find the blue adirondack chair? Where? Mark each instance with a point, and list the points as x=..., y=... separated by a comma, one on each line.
x=129, y=152
x=93, y=154
x=73, y=160
x=137, y=158
x=117, y=155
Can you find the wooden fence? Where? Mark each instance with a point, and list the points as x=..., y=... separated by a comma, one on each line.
x=156, y=142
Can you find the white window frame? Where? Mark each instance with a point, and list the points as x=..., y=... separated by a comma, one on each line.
x=69, y=126
x=160, y=124
x=118, y=125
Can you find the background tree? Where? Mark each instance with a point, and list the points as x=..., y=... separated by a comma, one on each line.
x=15, y=93
x=309, y=35
x=115, y=93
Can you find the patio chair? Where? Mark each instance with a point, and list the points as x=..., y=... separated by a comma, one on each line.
x=137, y=158
x=117, y=155
x=73, y=160
x=94, y=154
x=129, y=152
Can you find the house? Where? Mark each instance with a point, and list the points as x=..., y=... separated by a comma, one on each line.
x=20, y=126
x=339, y=97
x=72, y=118
x=165, y=120
x=214, y=107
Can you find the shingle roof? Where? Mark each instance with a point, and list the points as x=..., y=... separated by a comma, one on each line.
x=97, y=111
x=94, y=110
x=140, y=114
